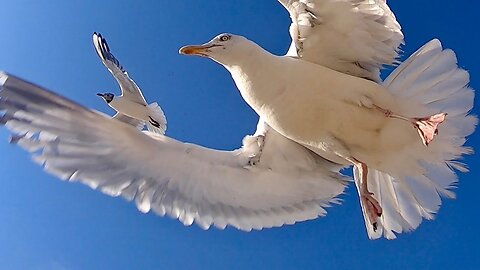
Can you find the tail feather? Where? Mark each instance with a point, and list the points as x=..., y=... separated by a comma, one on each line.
x=404, y=203
x=451, y=84
x=431, y=80
x=158, y=122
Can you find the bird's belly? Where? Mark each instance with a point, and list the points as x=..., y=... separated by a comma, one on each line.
x=336, y=124
x=333, y=112
x=132, y=109
x=347, y=122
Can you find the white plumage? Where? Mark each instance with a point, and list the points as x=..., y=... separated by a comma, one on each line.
x=313, y=99
x=191, y=183
x=351, y=36
x=131, y=106
x=287, y=173
x=431, y=77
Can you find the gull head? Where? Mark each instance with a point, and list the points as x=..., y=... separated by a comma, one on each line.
x=226, y=49
x=108, y=97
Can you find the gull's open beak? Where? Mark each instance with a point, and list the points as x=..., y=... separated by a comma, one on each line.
x=100, y=94
x=193, y=50
x=200, y=50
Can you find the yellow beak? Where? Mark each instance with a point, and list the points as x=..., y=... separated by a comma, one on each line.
x=200, y=50
x=193, y=50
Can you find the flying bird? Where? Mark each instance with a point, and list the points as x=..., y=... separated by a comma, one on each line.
x=271, y=180
x=131, y=106
x=403, y=136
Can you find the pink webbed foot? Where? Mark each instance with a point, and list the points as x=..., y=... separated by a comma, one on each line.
x=427, y=127
x=372, y=207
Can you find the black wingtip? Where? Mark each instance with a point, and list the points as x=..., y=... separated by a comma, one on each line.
x=106, y=45
x=103, y=43
x=97, y=36
x=97, y=44
x=103, y=50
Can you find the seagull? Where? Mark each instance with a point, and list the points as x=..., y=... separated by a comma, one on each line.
x=271, y=180
x=326, y=94
x=131, y=106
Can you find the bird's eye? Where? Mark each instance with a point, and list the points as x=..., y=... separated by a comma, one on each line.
x=224, y=38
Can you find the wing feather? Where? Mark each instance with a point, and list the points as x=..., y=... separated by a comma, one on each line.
x=185, y=181
x=356, y=37
x=128, y=87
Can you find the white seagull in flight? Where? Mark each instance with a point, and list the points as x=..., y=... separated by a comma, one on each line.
x=272, y=180
x=326, y=95
x=131, y=106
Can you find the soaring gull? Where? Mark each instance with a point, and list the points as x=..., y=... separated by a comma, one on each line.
x=131, y=106
x=326, y=95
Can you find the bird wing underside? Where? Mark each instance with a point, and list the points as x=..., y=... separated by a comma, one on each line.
x=185, y=181
x=356, y=37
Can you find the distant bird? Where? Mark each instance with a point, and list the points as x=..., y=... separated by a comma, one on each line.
x=326, y=94
x=131, y=106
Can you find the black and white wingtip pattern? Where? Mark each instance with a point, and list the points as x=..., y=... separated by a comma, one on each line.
x=103, y=51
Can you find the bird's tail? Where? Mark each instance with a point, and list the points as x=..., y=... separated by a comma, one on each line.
x=157, y=122
x=430, y=80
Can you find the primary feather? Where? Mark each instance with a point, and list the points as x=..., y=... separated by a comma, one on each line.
x=185, y=181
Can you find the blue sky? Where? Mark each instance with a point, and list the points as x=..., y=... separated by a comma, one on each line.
x=49, y=224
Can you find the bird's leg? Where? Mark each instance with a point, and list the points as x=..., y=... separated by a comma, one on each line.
x=372, y=207
x=427, y=127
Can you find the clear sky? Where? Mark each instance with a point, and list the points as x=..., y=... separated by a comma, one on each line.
x=48, y=224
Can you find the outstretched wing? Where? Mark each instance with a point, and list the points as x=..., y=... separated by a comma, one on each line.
x=128, y=87
x=185, y=181
x=356, y=37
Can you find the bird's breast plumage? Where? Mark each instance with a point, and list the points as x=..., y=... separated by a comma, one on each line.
x=129, y=108
x=312, y=104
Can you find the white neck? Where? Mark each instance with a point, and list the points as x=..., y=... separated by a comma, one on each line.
x=248, y=73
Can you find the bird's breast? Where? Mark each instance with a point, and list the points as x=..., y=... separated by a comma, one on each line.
x=311, y=104
x=129, y=108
